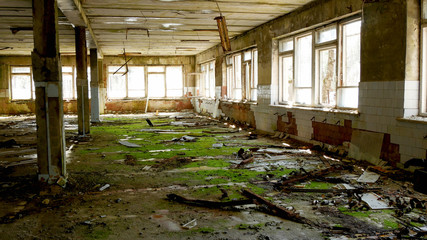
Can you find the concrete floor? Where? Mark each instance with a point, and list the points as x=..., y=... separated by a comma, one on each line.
x=135, y=205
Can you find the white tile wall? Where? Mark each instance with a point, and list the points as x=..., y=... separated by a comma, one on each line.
x=380, y=105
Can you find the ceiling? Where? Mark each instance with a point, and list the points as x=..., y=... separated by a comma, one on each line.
x=144, y=27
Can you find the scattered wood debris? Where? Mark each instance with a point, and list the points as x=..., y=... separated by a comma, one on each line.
x=206, y=203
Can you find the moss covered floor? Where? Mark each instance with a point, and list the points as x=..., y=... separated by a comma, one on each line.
x=134, y=206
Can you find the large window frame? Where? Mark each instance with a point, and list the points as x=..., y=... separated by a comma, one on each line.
x=151, y=76
x=423, y=60
x=17, y=72
x=242, y=75
x=312, y=76
x=207, y=82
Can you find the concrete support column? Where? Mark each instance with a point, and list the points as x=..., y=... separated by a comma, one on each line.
x=48, y=83
x=82, y=83
x=94, y=85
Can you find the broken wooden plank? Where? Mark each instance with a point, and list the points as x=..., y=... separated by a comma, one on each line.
x=245, y=162
x=310, y=175
x=206, y=203
x=276, y=210
x=356, y=190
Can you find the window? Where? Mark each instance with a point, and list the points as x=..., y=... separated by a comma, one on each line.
x=423, y=87
x=303, y=70
x=156, y=82
x=208, y=79
x=308, y=66
x=286, y=70
x=126, y=85
x=136, y=82
x=250, y=73
x=242, y=75
x=230, y=76
x=348, y=89
x=69, y=90
x=22, y=83
x=165, y=81
x=142, y=81
x=69, y=85
x=174, y=81
x=236, y=84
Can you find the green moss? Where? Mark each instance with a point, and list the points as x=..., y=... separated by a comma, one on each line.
x=243, y=226
x=222, y=176
x=99, y=233
x=319, y=185
x=416, y=224
x=365, y=214
x=390, y=224
x=209, y=163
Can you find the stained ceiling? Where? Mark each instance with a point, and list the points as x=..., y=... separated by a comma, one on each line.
x=145, y=27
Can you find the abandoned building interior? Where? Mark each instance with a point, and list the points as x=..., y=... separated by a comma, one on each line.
x=213, y=119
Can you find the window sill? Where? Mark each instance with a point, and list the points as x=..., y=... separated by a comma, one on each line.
x=413, y=119
x=227, y=101
x=142, y=99
x=22, y=100
x=319, y=109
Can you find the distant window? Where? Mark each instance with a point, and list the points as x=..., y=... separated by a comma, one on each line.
x=348, y=87
x=208, y=79
x=122, y=84
x=303, y=69
x=69, y=82
x=174, y=81
x=307, y=79
x=250, y=73
x=117, y=84
x=156, y=82
x=136, y=82
x=22, y=85
x=69, y=90
x=423, y=87
x=242, y=75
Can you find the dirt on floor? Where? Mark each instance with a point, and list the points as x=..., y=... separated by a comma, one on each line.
x=120, y=177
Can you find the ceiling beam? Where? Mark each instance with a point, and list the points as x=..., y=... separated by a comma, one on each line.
x=74, y=12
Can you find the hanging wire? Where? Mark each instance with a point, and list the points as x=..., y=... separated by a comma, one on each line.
x=220, y=13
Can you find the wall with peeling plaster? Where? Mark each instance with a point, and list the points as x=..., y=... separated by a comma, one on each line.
x=8, y=106
x=388, y=91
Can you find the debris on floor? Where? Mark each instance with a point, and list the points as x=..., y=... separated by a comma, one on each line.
x=205, y=168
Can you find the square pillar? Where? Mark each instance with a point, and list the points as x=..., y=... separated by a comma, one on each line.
x=82, y=82
x=47, y=76
x=94, y=86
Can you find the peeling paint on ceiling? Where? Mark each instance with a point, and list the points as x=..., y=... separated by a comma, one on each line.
x=176, y=27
